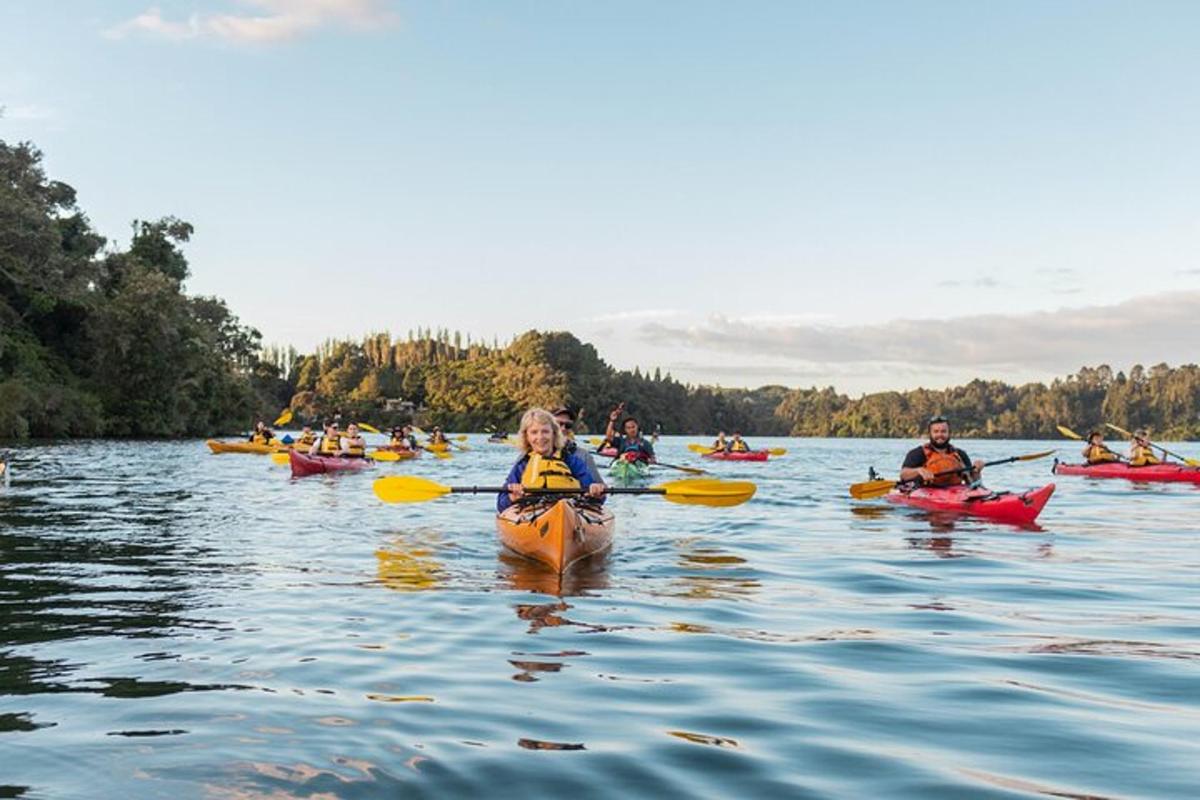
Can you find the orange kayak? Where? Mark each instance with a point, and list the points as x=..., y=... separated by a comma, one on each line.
x=556, y=534
x=246, y=447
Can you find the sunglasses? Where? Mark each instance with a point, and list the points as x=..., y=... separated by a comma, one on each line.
x=566, y=426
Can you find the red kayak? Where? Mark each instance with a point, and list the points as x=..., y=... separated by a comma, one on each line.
x=1164, y=473
x=607, y=452
x=1017, y=509
x=746, y=455
x=303, y=465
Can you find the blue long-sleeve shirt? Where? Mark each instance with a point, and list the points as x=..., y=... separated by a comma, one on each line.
x=579, y=469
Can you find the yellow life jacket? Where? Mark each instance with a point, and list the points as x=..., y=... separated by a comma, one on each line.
x=1097, y=454
x=739, y=446
x=548, y=472
x=305, y=440
x=356, y=450
x=1142, y=457
x=331, y=447
x=936, y=461
x=258, y=438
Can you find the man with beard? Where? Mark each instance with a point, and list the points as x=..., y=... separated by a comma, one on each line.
x=937, y=462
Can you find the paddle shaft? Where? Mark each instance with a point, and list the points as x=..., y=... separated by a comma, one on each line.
x=560, y=492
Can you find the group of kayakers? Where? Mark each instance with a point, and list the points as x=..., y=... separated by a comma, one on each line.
x=1141, y=452
x=736, y=444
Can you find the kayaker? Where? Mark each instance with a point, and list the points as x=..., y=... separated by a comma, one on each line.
x=631, y=440
x=1141, y=453
x=923, y=464
x=399, y=441
x=566, y=421
x=307, y=437
x=738, y=445
x=261, y=433
x=543, y=465
x=329, y=443
x=720, y=443
x=353, y=445
x=1096, y=452
x=437, y=437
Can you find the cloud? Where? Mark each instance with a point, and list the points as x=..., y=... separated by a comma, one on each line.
x=981, y=282
x=627, y=316
x=26, y=113
x=1144, y=329
x=277, y=21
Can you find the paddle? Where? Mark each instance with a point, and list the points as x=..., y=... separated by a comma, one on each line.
x=283, y=419
x=1191, y=462
x=689, y=470
x=1070, y=434
x=878, y=488
x=693, y=491
x=362, y=426
x=376, y=455
x=702, y=450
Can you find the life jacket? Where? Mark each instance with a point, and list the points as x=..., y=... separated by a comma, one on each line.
x=637, y=446
x=1098, y=454
x=401, y=442
x=937, y=461
x=356, y=450
x=331, y=447
x=548, y=472
x=738, y=447
x=306, y=440
x=1142, y=457
x=258, y=438
x=719, y=444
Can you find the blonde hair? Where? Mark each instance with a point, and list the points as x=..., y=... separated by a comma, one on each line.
x=539, y=415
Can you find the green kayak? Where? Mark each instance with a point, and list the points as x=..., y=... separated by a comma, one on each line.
x=626, y=472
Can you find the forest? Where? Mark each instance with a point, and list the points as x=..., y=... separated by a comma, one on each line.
x=97, y=340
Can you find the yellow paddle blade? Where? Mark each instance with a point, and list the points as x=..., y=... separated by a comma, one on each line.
x=699, y=448
x=1036, y=456
x=777, y=451
x=1118, y=429
x=869, y=490
x=407, y=489
x=594, y=441
x=280, y=458
x=383, y=455
x=462, y=437
x=1067, y=432
x=443, y=455
x=284, y=418
x=708, y=492
x=368, y=428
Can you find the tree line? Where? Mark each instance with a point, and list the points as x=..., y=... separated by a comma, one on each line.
x=97, y=340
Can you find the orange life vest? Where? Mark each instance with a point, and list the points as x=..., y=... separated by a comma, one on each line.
x=936, y=461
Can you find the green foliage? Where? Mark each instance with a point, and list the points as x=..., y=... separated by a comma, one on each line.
x=110, y=344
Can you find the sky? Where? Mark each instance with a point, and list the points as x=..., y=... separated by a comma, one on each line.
x=870, y=195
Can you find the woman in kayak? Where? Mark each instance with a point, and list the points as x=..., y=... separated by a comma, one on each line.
x=543, y=465
x=353, y=445
x=720, y=443
x=1096, y=452
x=1141, y=453
x=437, y=437
x=937, y=462
x=738, y=445
x=329, y=443
x=261, y=434
x=631, y=441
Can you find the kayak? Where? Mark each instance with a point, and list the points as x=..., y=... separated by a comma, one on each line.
x=556, y=534
x=607, y=452
x=245, y=447
x=628, y=472
x=402, y=453
x=1017, y=509
x=1165, y=473
x=303, y=465
x=748, y=455
x=437, y=447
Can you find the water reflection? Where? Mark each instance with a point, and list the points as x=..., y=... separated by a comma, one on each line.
x=407, y=563
x=711, y=573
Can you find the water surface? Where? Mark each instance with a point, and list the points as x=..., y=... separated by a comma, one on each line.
x=177, y=624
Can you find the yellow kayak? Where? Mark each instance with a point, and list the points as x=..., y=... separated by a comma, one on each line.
x=246, y=447
x=437, y=447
